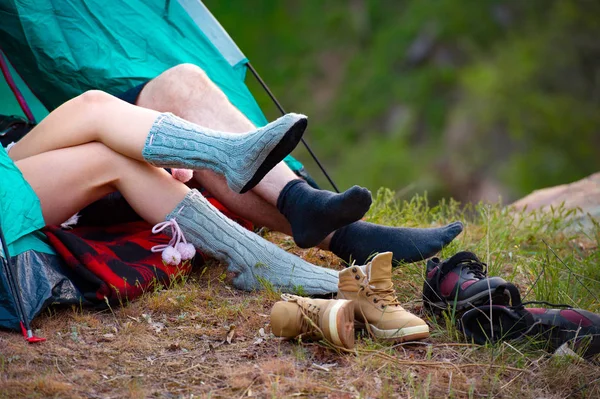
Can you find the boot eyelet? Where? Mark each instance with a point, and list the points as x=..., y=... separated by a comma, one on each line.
x=374, y=300
x=357, y=277
x=354, y=270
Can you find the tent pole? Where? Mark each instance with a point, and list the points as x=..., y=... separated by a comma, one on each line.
x=278, y=105
x=13, y=284
x=13, y=87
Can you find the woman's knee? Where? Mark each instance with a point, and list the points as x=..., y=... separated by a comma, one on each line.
x=94, y=98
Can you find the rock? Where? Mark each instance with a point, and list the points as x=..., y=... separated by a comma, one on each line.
x=583, y=195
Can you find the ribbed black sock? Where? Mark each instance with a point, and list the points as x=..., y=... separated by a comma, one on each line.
x=314, y=214
x=358, y=241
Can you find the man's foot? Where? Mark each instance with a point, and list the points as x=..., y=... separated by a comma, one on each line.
x=361, y=240
x=314, y=214
x=328, y=319
x=375, y=304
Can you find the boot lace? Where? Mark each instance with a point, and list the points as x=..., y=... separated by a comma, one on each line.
x=309, y=323
x=382, y=297
x=385, y=296
x=479, y=269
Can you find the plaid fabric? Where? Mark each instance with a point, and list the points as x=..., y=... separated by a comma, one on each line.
x=115, y=262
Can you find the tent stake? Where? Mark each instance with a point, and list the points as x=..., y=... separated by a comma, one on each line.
x=312, y=154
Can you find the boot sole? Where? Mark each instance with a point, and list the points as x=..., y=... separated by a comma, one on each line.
x=480, y=299
x=289, y=141
x=341, y=323
x=400, y=334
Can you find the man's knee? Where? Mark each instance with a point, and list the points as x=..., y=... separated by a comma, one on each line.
x=186, y=72
x=183, y=76
x=173, y=89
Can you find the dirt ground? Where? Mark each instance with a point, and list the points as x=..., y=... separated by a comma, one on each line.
x=203, y=338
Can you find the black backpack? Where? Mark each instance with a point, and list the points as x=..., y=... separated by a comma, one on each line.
x=13, y=128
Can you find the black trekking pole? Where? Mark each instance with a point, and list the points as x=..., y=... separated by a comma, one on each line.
x=13, y=284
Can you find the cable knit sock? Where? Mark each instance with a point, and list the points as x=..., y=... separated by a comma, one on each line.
x=359, y=241
x=244, y=159
x=314, y=214
x=252, y=258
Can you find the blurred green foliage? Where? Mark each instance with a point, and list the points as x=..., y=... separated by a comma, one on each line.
x=462, y=98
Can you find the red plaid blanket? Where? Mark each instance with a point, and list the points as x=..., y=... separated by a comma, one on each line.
x=115, y=262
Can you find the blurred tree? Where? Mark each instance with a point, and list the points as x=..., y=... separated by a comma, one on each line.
x=470, y=99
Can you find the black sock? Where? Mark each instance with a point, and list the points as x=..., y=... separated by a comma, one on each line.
x=314, y=214
x=359, y=241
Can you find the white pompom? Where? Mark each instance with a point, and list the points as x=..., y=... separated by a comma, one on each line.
x=183, y=175
x=187, y=251
x=171, y=256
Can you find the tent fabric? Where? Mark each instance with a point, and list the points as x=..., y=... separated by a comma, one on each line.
x=9, y=104
x=20, y=209
x=43, y=280
x=214, y=31
x=63, y=48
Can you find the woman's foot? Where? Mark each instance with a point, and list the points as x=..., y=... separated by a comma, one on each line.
x=244, y=159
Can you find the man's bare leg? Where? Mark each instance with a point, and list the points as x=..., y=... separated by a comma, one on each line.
x=186, y=91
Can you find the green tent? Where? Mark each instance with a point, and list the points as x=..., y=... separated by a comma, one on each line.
x=63, y=48
x=54, y=50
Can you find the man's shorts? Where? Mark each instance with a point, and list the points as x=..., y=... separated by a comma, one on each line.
x=132, y=94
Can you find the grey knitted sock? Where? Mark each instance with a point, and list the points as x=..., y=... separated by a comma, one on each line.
x=244, y=159
x=254, y=259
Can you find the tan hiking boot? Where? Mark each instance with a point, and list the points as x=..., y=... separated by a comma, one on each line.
x=329, y=319
x=375, y=302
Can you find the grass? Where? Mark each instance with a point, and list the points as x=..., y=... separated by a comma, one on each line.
x=173, y=342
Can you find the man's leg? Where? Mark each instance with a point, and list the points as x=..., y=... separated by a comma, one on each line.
x=186, y=91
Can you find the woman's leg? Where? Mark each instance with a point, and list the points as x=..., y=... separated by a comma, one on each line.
x=82, y=174
x=92, y=116
x=164, y=139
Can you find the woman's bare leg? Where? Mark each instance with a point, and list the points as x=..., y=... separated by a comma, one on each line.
x=163, y=139
x=83, y=174
x=92, y=116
